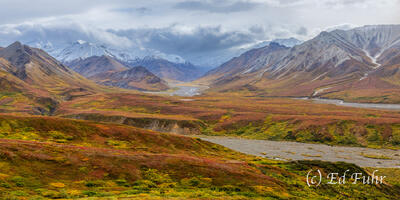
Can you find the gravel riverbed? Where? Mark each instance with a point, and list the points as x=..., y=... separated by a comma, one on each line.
x=281, y=150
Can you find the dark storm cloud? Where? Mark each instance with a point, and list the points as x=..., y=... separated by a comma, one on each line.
x=216, y=6
x=192, y=29
x=302, y=31
x=200, y=40
x=131, y=10
x=14, y=11
x=28, y=33
x=344, y=2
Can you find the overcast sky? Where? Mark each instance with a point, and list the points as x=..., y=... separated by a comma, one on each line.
x=174, y=26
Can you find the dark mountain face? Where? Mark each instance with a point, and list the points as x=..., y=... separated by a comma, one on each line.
x=138, y=78
x=169, y=70
x=331, y=63
x=107, y=71
x=96, y=65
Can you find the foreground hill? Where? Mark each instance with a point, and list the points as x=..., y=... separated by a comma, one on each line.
x=43, y=157
x=106, y=70
x=358, y=65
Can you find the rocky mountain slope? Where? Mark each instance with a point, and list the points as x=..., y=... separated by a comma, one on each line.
x=359, y=65
x=248, y=62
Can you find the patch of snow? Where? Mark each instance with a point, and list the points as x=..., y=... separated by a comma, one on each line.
x=374, y=61
x=320, y=91
x=81, y=41
x=364, y=77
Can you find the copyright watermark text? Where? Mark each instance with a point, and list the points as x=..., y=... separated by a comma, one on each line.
x=316, y=178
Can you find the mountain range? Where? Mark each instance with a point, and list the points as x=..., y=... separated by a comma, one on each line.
x=67, y=51
x=169, y=67
x=32, y=81
x=360, y=64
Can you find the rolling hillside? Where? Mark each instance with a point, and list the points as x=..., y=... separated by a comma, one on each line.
x=53, y=158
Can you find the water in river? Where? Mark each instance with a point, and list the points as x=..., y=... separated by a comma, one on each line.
x=183, y=90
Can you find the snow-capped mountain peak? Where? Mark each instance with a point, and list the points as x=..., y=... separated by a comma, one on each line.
x=81, y=49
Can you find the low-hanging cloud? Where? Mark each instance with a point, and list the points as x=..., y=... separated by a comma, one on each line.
x=60, y=34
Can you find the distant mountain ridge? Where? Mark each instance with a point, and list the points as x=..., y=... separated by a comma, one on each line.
x=107, y=71
x=137, y=78
x=168, y=70
x=81, y=49
x=360, y=63
x=94, y=65
x=67, y=50
x=158, y=63
x=287, y=42
x=164, y=66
